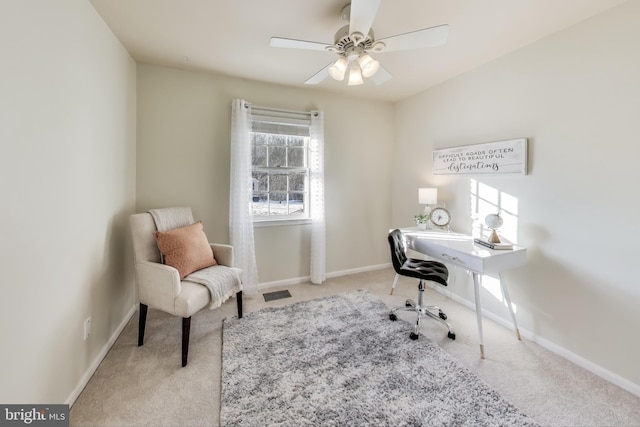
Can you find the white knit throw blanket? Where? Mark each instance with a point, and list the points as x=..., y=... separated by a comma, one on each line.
x=221, y=281
x=170, y=218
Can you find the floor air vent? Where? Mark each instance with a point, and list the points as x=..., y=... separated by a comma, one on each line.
x=272, y=296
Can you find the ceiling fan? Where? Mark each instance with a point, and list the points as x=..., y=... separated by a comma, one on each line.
x=354, y=41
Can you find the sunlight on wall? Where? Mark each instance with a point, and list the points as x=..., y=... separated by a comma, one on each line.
x=492, y=285
x=487, y=200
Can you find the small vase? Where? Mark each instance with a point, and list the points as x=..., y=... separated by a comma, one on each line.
x=422, y=226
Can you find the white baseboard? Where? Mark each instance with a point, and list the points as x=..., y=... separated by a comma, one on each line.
x=286, y=282
x=305, y=279
x=96, y=362
x=594, y=368
x=359, y=270
x=554, y=348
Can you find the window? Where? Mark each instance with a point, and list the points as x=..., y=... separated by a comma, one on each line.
x=280, y=168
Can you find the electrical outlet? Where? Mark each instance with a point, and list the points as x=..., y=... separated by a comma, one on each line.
x=87, y=327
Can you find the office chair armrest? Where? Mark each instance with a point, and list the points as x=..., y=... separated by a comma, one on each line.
x=158, y=285
x=223, y=254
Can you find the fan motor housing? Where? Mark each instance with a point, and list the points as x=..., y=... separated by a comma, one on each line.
x=344, y=40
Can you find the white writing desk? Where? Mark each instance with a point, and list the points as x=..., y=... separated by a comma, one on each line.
x=459, y=249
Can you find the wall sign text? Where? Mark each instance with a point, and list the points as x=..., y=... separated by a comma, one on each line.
x=502, y=157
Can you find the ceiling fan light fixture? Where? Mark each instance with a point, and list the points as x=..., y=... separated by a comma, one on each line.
x=355, y=75
x=357, y=38
x=377, y=47
x=368, y=65
x=339, y=68
x=354, y=41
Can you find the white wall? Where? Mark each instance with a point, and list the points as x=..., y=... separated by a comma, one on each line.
x=67, y=185
x=183, y=159
x=68, y=182
x=576, y=97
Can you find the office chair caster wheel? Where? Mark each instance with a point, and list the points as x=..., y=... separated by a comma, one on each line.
x=393, y=317
x=442, y=315
x=451, y=335
x=413, y=336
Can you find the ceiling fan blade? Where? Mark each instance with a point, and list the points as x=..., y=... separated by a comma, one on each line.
x=362, y=13
x=296, y=44
x=381, y=76
x=319, y=76
x=427, y=37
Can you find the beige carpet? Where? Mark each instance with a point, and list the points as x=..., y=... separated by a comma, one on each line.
x=137, y=386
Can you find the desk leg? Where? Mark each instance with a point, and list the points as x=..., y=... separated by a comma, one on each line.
x=477, y=281
x=507, y=298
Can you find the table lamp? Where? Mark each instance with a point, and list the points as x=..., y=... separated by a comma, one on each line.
x=427, y=197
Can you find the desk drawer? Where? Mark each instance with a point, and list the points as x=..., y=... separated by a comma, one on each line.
x=460, y=259
x=447, y=255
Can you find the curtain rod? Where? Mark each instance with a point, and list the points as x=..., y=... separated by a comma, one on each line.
x=277, y=110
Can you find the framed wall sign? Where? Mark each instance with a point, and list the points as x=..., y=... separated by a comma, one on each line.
x=502, y=157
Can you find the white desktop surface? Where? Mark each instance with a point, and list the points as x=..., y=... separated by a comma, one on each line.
x=459, y=249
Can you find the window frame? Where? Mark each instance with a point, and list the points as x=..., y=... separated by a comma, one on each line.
x=277, y=123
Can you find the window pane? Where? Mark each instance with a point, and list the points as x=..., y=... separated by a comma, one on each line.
x=261, y=138
x=259, y=155
x=296, y=197
x=296, y=156
x=280, y=209
x=278, y=183
x=296, y=204
x=297, y=181
x=260, y=196
x=260, y=181
x=260, y=204
x=277, y=156
x=271, y=139
x=277, y=198
x=278, y=204
x=295, y=141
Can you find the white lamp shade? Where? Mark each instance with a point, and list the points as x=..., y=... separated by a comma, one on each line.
x=427, y=196
x=369, y=65
x=355, y=75
x=339, y=68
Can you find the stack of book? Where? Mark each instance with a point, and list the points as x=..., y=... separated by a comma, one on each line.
x=495, y=246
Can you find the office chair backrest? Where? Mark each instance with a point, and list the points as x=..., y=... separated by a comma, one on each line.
x=398, y=249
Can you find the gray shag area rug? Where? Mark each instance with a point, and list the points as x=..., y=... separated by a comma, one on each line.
x=340, y=361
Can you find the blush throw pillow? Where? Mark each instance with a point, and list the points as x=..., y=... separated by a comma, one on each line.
x=186, y=248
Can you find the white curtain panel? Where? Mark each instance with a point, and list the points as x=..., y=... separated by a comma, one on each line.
x=240, y=218
x=318, y=233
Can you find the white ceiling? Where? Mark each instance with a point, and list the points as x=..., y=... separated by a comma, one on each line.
x=232, y=36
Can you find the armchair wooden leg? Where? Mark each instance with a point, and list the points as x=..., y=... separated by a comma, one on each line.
x=142, y=321
x=239, y=301
x=186, y=329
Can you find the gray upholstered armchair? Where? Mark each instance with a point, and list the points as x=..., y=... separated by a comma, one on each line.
x=160, y=286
